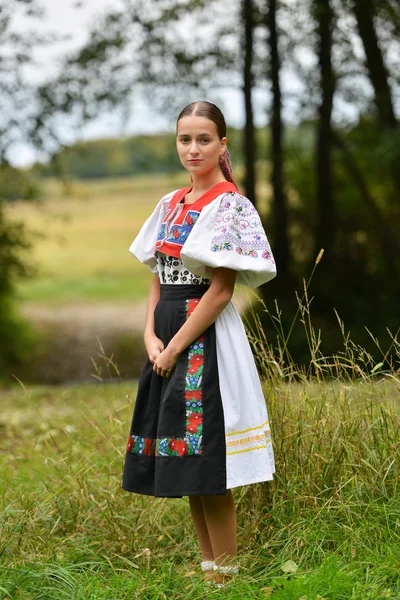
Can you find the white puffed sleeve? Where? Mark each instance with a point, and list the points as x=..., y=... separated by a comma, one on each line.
x=144, y=243
x=229, y=233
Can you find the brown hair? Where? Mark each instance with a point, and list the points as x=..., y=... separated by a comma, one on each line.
x=202, y=108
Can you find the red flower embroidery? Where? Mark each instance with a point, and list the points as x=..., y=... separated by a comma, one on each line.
x=191, y=305
x=200, y=339
x=175, y=233
x=189, y=220
x=193, y=370
x=196, y=360
x=180, y=446
x=148, y=447
x=130, y=444
x=193, y=394
x=194, y=420
x=183, y=449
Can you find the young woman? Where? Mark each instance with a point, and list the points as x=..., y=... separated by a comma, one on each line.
x=200, y=424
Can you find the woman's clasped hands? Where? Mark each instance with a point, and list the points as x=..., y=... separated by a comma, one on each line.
x=163, y=359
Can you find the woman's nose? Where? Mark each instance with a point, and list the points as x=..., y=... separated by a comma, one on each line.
x=193, y=148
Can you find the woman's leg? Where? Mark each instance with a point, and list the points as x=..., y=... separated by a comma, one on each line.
x=220, y=517
x=200, y=525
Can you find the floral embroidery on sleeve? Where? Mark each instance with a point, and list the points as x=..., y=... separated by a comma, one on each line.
x=239, y=229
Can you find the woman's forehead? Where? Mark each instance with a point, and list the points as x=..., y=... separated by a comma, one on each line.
x=195, y=125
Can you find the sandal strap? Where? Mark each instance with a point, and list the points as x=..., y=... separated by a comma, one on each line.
x=207, y=565
x=227, y=570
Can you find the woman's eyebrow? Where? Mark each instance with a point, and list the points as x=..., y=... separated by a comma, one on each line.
x=198, y=135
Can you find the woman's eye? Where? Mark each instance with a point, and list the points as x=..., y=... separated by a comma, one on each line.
x=204, y=140
x=185, y=140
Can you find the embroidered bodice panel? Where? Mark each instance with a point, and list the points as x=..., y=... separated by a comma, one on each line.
x=172, y=270
x=180, y=218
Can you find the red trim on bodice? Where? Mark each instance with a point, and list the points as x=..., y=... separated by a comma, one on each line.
x=174, y=232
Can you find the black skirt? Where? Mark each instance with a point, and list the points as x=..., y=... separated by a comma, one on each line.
x=176, y=445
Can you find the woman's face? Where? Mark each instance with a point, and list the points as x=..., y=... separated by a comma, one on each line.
x=198, y=145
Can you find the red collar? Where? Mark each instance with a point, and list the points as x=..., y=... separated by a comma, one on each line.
x=219, y=188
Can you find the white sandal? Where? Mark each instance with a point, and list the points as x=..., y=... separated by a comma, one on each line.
x=225, y=570
x=207, y=566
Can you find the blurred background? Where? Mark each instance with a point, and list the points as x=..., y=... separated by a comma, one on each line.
x=89, y=96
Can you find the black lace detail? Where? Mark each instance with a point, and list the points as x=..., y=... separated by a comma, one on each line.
x=171, y=270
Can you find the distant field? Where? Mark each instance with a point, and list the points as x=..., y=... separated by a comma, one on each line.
x=83, y=236
x=82, y=252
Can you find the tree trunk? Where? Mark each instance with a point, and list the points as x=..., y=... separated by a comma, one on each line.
x=281, y=241
x=326, y=217
x=364, y=12
x=248, y=84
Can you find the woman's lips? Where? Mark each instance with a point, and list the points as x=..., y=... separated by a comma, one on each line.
x=195, y=161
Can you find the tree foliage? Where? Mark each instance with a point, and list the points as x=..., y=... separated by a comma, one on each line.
x=19, y=97
x=19, y=106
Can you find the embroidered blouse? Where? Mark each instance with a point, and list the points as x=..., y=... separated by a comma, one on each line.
x=221, y=229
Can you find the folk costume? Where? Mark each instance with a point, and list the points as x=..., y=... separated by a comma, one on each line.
x=206, y=429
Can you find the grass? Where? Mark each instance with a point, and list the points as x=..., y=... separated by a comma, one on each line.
x=327, y=528
x=82, y=238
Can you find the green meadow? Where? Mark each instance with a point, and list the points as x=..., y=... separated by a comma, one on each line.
x=326, y=528
x=81, y=237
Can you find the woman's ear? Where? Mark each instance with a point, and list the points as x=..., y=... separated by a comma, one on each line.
x=223, y=147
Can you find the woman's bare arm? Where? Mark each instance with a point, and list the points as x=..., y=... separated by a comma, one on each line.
x=154, y=345
x=208, y=309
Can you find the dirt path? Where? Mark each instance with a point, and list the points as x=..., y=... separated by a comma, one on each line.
x=98, y=320
x=78, y=339
x=90, y=320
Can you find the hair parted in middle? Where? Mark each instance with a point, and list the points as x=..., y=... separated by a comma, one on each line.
x=210, y=111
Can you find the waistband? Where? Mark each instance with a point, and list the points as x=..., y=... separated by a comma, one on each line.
x=171, y=291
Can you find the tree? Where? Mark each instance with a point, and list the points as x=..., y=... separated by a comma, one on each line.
x=326, y=217
x=249, y=146
x=18, y=94
x=281, y=239
x=18, y=104
x=365, y=13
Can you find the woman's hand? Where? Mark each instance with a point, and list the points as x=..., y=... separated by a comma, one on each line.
x=154, y=347
x=165, y=363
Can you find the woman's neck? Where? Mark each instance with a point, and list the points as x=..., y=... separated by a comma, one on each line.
x=200, y=186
